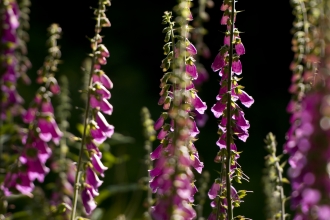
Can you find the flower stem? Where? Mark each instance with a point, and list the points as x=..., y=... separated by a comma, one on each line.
x=75, y=195
x=78, y=173
x=223, y=170
x=228, y=127
x=282, y=197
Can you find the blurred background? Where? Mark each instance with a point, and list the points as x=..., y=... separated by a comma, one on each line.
x=135, y=42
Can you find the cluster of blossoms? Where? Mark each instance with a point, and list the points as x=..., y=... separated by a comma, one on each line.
x=308, y=139
x=305, y=138
x=96, y=127
x=232, y=116
x=42, y=129
x=172, y=177
x=310, y=180
x=307, y=48
x=11, y=69
x=306, y=45
x=197, y=35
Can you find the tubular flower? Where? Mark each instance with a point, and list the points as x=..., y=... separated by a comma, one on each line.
x=237, y=125
x=42, y=129
x=172, y=177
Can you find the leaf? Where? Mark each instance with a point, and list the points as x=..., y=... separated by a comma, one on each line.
x=167, y=36
x=104, y=194
x=4, y=138
x=285, y=180
x=97, y=214
x=118, y=138
x=165, y=30
x=20, y=215
x=109, y=159
x=113, y=189
x=80, y=128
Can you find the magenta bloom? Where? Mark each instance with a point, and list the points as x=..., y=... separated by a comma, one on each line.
x=192, y=71
x=172, y=177
x=100, y=76
x=237, y=67
x=102, y=104
x=191, y=49
x=10, y=99
x=218, y=62
x=99, y=128
x=88, y=200
x=104, y=126
x=309, y=141
x=49, y=130
x=98, y=165
x=236, y=121
x=240, y=49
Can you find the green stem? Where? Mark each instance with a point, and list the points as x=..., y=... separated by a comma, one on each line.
x=228, y=127
x=78, y=173
x=223, y=170
x=148, y=147
x=280, y=184
x=280, y=181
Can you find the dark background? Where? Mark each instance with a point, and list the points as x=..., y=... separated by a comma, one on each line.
x=135, y=42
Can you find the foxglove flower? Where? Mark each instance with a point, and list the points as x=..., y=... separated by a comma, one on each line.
x=10, y=60
x=307, y=179
x=310, y=181
x=232, y=116
x=201, y=50
x=308, y=138
x=42, y=129
x=98, y=127
x=172, y=178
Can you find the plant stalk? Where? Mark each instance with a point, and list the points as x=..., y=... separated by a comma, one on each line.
x=78, y=173
x=280, y=184
x=228, y=127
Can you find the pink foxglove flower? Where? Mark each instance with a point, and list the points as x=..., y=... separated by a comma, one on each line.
x=10, y=101
x=174, y=187
x=309, y=142
x=42, y=129
x=227, y=109
x=98, y=105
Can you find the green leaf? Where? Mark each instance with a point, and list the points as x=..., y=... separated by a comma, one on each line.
x=285, y=180
x=118, y=138
x=113, y=189
x=283, y=164
x=109, y=159
x=103, y=195
x=20, y=215
x=80, y=128
x=167, y=36
x=165, y=30
x=4, y=138
x=97, y=214
x=167, y=48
